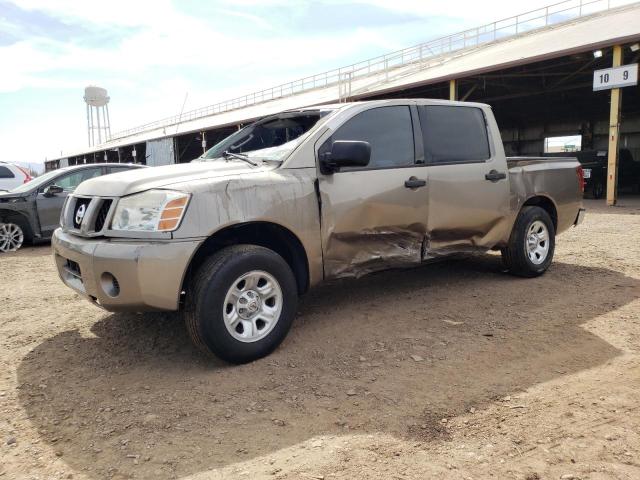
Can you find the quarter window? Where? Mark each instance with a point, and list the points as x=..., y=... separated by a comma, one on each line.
x=387, y=129
x=454, y=134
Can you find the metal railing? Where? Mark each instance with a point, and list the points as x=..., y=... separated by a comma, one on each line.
x=343, y=77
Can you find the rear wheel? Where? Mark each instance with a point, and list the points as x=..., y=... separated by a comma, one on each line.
x=532, y=243
x=241, y=303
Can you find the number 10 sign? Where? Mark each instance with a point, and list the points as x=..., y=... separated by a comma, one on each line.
x=616, y=77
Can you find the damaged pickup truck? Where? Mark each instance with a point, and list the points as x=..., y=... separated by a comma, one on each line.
x=298, y=198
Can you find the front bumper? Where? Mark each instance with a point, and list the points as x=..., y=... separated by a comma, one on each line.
x=148, y=274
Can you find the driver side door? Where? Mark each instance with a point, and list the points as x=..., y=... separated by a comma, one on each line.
x=49, y=207
x=375, y=217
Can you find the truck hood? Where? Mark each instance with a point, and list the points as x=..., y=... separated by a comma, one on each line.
x=170, y=176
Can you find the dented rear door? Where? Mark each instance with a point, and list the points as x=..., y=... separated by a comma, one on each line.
x=375, y=218
x=468, y=179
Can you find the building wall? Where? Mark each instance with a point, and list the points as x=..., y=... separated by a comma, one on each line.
x=160, y=152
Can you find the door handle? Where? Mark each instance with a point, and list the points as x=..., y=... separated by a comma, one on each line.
x=495, y=175
x=414, y=182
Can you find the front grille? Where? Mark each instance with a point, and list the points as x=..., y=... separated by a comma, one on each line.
x=87, y=216
x=81, y=203
x=102, y=215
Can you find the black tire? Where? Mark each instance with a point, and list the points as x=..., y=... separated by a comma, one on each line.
x=516, y=256
x=205, y=302
x=597, y=191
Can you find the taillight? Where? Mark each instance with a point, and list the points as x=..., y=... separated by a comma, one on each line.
x=27, y=177
x=580, y=174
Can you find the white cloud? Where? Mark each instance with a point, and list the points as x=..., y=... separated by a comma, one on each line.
x=167, y=39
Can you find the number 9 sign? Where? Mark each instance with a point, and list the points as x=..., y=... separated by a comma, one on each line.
x=617, y=77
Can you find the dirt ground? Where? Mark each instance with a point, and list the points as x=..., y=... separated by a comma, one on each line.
x=451, y=371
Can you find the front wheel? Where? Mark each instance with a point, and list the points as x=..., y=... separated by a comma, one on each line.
x=12, y=237
x=241, y=303
x=532, y=243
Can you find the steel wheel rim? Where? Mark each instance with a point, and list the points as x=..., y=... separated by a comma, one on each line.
x=536, y=242
x=11, y=237
x=252, y=306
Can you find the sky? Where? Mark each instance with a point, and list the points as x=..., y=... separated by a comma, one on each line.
x=151, y=55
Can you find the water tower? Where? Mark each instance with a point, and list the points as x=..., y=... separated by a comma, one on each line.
x=98, y=124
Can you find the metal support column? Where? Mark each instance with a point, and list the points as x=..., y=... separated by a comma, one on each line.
x=108, y=124
x=614, y=131
x=453, y=89
x=99, y=128
x=89, y=126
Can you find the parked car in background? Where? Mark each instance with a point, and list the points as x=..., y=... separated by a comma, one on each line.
x=12, y=176
x=595, y=165
x=32, y=210
x=307, y=196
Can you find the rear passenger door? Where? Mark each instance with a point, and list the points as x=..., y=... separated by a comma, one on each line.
x=374, y=217
x=468, y=179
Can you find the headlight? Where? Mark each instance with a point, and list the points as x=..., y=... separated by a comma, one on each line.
x=151, y=211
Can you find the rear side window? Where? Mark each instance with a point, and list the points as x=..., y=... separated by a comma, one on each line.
x=454, y=134
x=71, y=181
x=387, y=129
x=118, y=169
x=6, y=173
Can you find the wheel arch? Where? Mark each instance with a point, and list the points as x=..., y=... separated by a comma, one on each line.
x=20, y=218
x=547, y=204
x=262, y=233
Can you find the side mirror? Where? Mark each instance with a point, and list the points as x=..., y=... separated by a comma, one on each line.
x=52, y=190
x=345, y=153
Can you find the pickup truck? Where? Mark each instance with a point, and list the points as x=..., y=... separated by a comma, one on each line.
x=307, y=196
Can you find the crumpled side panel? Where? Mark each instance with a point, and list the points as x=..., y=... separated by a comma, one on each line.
x=286, y=198
x=357, y=254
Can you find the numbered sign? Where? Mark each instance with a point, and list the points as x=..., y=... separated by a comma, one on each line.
x=617, y=77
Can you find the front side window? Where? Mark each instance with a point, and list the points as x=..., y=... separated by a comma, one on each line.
x=71, y=181
x=454, y=134
x=388, y=130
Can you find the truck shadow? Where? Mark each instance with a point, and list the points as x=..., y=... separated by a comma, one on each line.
x=136, y=399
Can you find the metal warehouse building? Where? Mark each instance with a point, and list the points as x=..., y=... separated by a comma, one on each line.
x=536, y=70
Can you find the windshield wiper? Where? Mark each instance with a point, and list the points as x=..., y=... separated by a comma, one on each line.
x=239, y=156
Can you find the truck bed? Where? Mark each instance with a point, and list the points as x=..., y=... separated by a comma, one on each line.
x=554, y=178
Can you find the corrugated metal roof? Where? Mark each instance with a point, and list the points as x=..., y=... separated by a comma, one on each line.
x=602, y=29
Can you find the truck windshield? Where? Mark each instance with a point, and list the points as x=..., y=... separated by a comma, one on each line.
x=270, y=139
